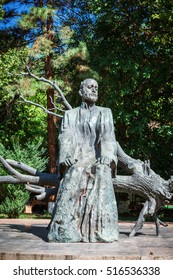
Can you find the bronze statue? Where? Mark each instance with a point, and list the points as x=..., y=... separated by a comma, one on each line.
x=86, y=208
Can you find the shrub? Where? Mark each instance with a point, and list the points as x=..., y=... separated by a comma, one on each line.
x=14, y=197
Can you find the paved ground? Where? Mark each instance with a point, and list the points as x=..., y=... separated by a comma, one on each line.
x=26, y=239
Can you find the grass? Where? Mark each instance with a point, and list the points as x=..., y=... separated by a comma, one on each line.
x=167, y=207
x=29, y=216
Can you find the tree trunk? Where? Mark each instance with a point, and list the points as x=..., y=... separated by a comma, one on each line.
x=51, y=133
x=50, y=103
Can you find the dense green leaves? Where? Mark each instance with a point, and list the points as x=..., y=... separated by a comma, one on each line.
x=125, y=45
x=18, y=121
x=12, y=63
x=14, y=197
x=2, y=13
x=131, y=49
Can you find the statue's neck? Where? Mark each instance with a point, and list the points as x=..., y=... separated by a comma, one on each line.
x=87, y=105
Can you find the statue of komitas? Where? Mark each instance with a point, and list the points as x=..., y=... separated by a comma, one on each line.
x=86, y=208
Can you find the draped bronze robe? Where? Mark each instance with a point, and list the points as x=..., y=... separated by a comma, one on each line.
x=86, y=208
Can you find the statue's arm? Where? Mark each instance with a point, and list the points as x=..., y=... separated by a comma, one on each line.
x=108, y=143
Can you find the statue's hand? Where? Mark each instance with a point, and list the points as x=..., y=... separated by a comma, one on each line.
x=105, y=160
x=69, y=161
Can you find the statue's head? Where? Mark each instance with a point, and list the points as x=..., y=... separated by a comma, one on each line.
x=89, y=90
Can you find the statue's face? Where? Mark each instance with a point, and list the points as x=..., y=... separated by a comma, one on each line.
x=90, y=90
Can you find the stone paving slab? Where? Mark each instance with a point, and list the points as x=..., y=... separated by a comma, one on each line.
x=25, y=239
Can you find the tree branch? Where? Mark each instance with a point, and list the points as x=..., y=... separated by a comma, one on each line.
x=40, y=178
x=41, y=192
x=144, y=185
x=53, y=84
x=141, y=184
x=55, y=107
x=9, y=180
x=40, y=106
x=24, y=167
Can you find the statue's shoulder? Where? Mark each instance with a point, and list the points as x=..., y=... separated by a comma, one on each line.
x=72, y=111
x=104, y=110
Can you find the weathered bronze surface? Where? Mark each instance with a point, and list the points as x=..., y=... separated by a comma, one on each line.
x=86, y=207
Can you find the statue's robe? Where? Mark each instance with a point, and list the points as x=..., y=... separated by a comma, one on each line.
x=85, y=208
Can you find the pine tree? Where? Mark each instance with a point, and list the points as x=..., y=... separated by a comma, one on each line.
x=33, y=24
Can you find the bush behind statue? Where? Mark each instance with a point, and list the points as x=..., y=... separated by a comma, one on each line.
x=14, y=197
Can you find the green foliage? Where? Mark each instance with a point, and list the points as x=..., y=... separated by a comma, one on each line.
x=14, y=201
x=71, y=68
x=131, y=49
x=20, y=121
x=34, y=16
x=125, y=45
x=14, y=197
x=12, y=63
x=31, y=153
x=1, y=12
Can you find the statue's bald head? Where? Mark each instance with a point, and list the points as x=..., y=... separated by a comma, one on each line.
x=89, y=90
